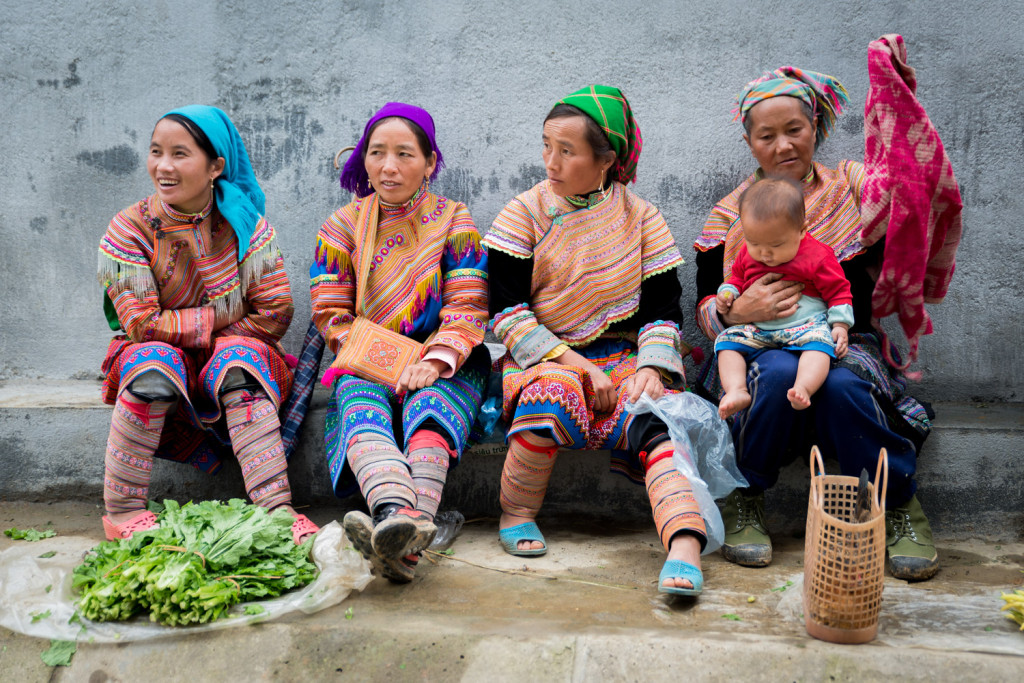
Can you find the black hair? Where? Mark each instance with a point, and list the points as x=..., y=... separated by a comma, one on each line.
x=596, y=138
x=773, y=197
x=197, y=134
x=748, y=122
x=421, y=136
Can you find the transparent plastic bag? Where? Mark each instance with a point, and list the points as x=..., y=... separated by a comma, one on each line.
x=703, y=453
x=36, y=597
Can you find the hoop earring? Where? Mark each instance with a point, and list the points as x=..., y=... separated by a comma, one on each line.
x=601, y=187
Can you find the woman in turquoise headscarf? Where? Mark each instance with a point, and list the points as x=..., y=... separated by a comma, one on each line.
x=194, y=279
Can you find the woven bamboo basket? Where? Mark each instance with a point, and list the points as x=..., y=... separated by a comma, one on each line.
x=844, y=560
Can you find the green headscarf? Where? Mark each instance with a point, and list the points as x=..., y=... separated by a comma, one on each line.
x=610, y=109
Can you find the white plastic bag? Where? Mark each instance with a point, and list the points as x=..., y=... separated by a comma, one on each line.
x=36, y=597
x=704, y=453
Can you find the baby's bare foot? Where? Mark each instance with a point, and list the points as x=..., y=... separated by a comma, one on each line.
x=799, y=398
x=733, y=402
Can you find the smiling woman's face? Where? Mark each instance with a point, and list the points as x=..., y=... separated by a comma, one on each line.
x=781, y=137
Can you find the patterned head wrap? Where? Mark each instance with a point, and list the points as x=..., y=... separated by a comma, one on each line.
x=611, y=110
x=353, y=175
x=237, y=194
x=823, y=94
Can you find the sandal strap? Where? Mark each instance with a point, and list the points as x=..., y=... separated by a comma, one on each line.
x=301, y=526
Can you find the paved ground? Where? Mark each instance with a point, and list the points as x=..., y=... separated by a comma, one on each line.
x=600, y=618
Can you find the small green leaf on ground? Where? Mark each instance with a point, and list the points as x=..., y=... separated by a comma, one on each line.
x=449, y=552
x=47, y=555
x=60, y=653
x=76, y=618
x=988, y=628
x=731, y=617
x=254, y=609
x=36, y=616
x=348, y=613
x=16, y=534
x=781, y=588
x=999, y=547
x=402, y=667
x=49, y=588
x=751, y=598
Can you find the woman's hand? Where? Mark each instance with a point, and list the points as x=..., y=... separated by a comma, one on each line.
x=841, y=336
x=420, y=375
x=770, y=298
x=605, y=396
x=645, y=381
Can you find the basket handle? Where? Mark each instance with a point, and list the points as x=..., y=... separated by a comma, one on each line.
x=816, y=458
x=880, y=471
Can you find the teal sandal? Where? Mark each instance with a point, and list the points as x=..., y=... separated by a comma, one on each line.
x=527, y=531
x=677, y=569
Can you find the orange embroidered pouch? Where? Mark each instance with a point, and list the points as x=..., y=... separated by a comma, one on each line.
x=376, y=353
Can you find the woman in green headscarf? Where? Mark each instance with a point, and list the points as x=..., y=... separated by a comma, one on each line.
x=584, y=295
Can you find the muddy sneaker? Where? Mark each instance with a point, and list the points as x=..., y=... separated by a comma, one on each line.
x=908, y=540
x=406, y=532
x=359, y=529
x=747, y=542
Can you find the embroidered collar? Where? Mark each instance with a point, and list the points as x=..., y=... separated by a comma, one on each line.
x=181, y=217
x=394, y=209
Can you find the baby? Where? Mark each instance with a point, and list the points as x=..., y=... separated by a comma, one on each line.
x=775, y=240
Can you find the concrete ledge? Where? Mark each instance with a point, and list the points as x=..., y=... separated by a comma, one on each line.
x=53, y=435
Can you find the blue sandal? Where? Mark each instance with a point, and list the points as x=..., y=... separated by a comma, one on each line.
x=677, y=569
x=527, y=531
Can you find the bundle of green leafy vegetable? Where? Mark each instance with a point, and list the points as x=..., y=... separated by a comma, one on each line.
x=204, y=559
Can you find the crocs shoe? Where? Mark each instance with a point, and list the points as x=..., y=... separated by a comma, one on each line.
x=677, y=569
x=301, y=526
x=527, y=531
x=143, y=521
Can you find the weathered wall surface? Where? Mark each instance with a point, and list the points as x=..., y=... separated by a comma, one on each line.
x=82, y=83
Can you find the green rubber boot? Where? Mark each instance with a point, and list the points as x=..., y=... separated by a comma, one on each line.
x=747, y=542
x=908, y=540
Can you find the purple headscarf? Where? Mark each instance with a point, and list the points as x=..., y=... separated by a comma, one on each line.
x=353, y=175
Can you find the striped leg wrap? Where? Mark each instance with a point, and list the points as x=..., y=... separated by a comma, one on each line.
x=382, y=471
x=524, y=479
x=255, y=433
x=428, y=459
x=675, y=508
x=134, y=436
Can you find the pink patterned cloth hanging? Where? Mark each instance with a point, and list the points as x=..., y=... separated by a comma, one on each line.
x=910, y=197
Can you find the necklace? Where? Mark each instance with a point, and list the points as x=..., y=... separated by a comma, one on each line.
x=194, y=218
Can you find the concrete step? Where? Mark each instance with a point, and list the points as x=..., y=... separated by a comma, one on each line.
x=53, y=434
x=587, y=611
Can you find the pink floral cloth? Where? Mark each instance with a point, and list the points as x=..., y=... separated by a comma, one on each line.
x=910, y=197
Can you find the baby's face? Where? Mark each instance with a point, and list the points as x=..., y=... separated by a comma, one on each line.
x=773, y=242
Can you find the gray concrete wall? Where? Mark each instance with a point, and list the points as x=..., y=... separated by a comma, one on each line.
x=82, y=83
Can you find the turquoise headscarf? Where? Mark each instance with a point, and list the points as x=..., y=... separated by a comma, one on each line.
x=239, y=197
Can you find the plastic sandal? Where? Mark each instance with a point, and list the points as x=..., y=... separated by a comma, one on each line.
x=140, y=522
x=527, y=531
x=677, y=569
x=301, y=526
x=401, y=570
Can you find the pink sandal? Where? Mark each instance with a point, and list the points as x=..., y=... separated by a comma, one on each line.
x=140, y=522
x=302, y=526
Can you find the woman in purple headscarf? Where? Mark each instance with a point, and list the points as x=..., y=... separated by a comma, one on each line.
x=409, y=261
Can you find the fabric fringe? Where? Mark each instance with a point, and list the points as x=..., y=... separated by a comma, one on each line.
x=259, y=262
x=424, y=291
x=138, y=278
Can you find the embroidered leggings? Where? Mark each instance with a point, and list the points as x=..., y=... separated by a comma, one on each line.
x=527, y=470
x=135, y=434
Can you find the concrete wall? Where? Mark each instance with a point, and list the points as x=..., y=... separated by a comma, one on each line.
x=82, y=83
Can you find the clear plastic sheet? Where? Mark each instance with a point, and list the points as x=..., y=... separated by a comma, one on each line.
x=703, y=453
x=31, y=586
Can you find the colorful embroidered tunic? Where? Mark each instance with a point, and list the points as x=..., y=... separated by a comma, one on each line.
x=427, y=280
x=599, y=278
x=169, y=279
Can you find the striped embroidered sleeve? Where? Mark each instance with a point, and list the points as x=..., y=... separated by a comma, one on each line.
x=854, y=172
x=267, y=292
x=659, y=342
x=332, y=280
x=510, y=245
x=463, y=292
x=124, y=271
